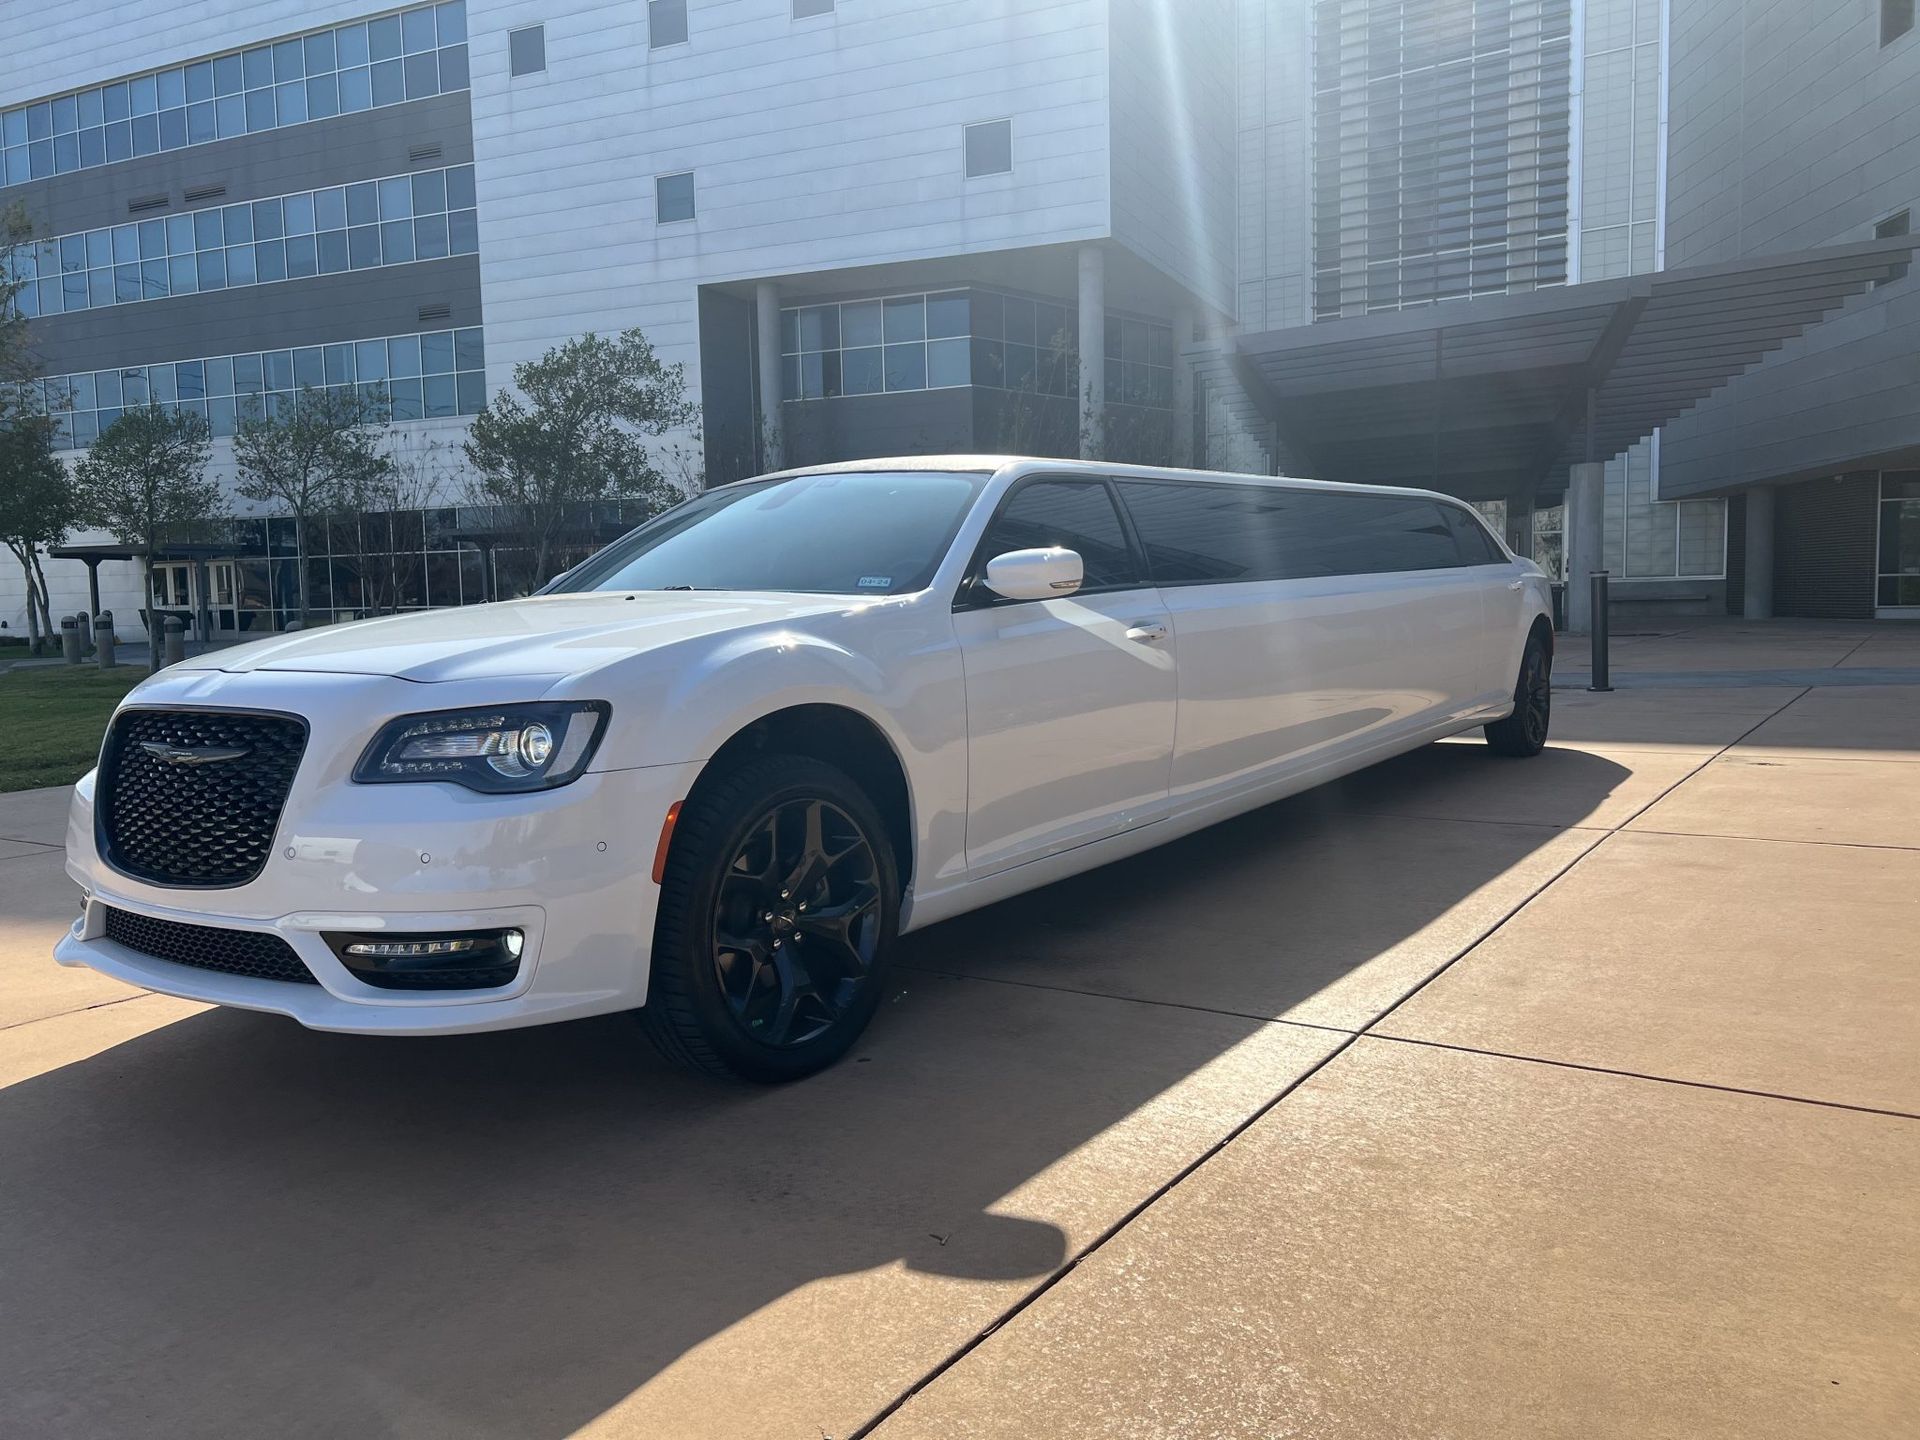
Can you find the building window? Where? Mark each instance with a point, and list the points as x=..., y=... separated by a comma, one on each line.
x=337, y=71
x=1900, y=223
x=666, y=23
x=947, y=338
x=1896, y=19
x=430, y=376
x=673, y=197
x=867, y=347
x=423, y=215
x=807, y=9
x=1899, y=568
x=989, y=148
x=527, y=50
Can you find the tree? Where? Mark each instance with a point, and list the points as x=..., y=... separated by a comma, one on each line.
x=37, y=509
x=576, y=437
x=16, y=359
x=382, y=507
x=36, y=498
x=312, y=460
x=145, y=474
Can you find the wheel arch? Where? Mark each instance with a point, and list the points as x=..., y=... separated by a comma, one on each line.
x=845, y=738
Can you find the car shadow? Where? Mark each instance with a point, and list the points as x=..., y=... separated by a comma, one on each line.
x=231, y=1226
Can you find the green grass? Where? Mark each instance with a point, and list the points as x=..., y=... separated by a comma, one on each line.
x=53, y=718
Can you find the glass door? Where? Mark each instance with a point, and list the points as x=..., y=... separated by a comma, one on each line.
x=222, y=579
x=1898, y=596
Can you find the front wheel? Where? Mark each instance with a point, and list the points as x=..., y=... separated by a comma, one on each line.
x=1524, y=732
x=778, y=907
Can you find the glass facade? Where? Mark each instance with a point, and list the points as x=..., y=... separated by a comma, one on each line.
x=424, y=215
x=1899, y=567
x=371, y=563
x=384, y=61
x=424, y=376
x=1440, y=150
x=942, y=339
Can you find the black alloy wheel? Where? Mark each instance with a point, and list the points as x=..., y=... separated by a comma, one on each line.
x=778, y=908
x=796, y=923
x=1524, y=732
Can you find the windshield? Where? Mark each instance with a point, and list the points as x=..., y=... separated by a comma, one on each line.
x=868, y=532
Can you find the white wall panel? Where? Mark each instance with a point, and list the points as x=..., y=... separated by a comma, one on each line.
x=815, y=145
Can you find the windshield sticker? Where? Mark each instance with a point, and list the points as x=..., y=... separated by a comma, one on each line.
x=876, y=582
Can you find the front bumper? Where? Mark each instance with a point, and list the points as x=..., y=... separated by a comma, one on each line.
x=569, y=867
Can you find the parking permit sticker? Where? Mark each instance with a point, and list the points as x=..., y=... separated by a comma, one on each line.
x=876, y=582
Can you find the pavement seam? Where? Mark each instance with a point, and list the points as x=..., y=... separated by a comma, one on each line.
x=1019, y=1307
x=1642, y=1075
x=1774, y=840
x=82, y=1010
x=1093, y=1247
x=1127, y=999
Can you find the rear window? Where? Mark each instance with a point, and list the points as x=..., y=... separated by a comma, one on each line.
x=1201, y=533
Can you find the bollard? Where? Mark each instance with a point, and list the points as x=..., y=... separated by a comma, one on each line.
x=103, y=640
x=85, y=622
x=70, y=639
x=293, y=625
x=1599, y=679
x=175, y=642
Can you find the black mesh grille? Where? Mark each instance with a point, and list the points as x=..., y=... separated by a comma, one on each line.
x=207, y=947
x=195, y=824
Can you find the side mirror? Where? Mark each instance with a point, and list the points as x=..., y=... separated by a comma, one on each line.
x=1048, y=574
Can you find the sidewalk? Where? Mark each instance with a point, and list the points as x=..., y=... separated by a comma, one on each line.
x=1573, y=1097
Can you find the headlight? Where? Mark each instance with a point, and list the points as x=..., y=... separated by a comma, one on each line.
x=499, y=750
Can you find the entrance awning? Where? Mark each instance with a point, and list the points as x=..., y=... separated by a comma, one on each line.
x=1497, y=396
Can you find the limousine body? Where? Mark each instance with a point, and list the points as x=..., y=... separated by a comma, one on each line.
x=710, y=774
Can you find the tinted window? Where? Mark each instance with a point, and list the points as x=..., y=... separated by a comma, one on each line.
x=527, y=50
x=860, y=533
x=1195, y=534
x=989, y=148
x=673, y=197
x=1199, y=533
x=1362, y=535
x=1078, y=515
x=666, y=22
x=1470, y=538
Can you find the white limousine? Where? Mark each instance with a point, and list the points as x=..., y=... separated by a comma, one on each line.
x=711, y=774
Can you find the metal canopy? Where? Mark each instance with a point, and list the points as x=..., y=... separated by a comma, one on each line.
x=1497, y=396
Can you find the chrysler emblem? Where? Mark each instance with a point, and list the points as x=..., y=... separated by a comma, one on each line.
x=194, y=754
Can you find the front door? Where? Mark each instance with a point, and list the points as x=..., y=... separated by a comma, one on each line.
x=1070, y=702
x=223, y=581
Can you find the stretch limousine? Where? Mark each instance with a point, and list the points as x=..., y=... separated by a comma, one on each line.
x=710, y=774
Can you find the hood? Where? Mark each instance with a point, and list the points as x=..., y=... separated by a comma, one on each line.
x=547, y=635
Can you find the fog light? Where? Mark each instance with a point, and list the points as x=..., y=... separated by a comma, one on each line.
x=477, y=960
x=408, y=949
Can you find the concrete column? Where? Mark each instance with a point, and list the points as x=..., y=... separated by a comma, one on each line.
x=1759, y=560
x=1586, y=509
x=1183, y=336
x=766, y=302
x=1093, y=350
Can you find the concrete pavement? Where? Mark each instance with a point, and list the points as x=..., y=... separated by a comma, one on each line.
x=1467, y=1097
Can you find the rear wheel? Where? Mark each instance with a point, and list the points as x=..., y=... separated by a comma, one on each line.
x=778, y=907
x=1524, y=732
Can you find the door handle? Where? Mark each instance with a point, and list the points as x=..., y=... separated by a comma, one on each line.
x=1516, y=585
x=1147, y=634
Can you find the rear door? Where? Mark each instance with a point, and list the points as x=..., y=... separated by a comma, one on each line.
x=1502, y=601
x=1312, y=623
x=1070, y=702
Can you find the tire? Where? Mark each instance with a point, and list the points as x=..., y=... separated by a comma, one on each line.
x=775, y=855
x=1524, y=732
